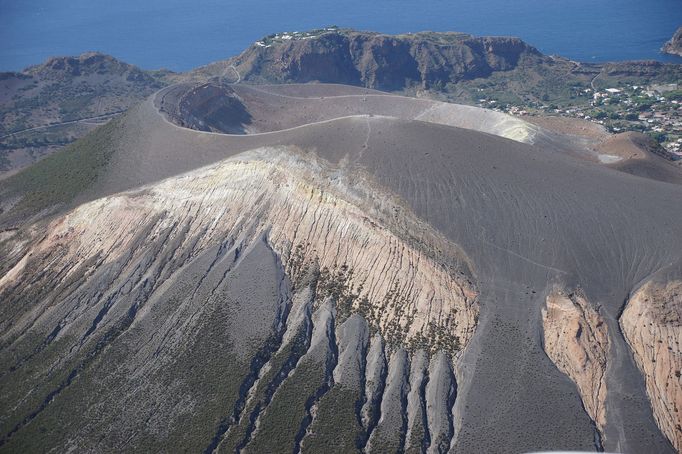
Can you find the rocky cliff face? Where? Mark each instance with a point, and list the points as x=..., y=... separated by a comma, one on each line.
x=652, y=325
x=674, y=46
x=576, y=340
x=383, y=61
x=457, y=66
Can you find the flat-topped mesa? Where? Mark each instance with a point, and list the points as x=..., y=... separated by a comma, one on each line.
x=576, y=340
x=652, y=325
x=375, y=257
x=380, y=61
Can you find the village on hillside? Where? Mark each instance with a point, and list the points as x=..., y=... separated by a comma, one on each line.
x=655, y=110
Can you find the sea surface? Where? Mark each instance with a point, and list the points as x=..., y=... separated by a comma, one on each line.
x=181, y=35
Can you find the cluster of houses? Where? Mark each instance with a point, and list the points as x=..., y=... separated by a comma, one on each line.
x=288, y=36
x=655, y=110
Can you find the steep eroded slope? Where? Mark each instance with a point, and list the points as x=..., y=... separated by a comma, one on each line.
x=203, y=286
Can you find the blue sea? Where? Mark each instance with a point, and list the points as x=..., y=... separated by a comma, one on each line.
x=181, y=35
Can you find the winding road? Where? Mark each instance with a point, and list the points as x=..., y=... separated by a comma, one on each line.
x=62, y=123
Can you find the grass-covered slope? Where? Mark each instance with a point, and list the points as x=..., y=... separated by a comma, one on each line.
x=59, y=178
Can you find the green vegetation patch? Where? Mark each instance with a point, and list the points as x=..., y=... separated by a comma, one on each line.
x=385, y=442
x=59, y=178
x=336, y=427
x=278, y=425
x=188, y=397
x=336, y=283
x=281, y=364
x=26, y=381
x=416, y=441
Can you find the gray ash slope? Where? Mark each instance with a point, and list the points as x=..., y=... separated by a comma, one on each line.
x=204, y=291
x=247, y=109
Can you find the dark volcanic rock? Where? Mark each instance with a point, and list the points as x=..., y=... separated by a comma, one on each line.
x=383, y=61
x=674, y=46
x=458, y=66
x=89, y=63
x=211, y=107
